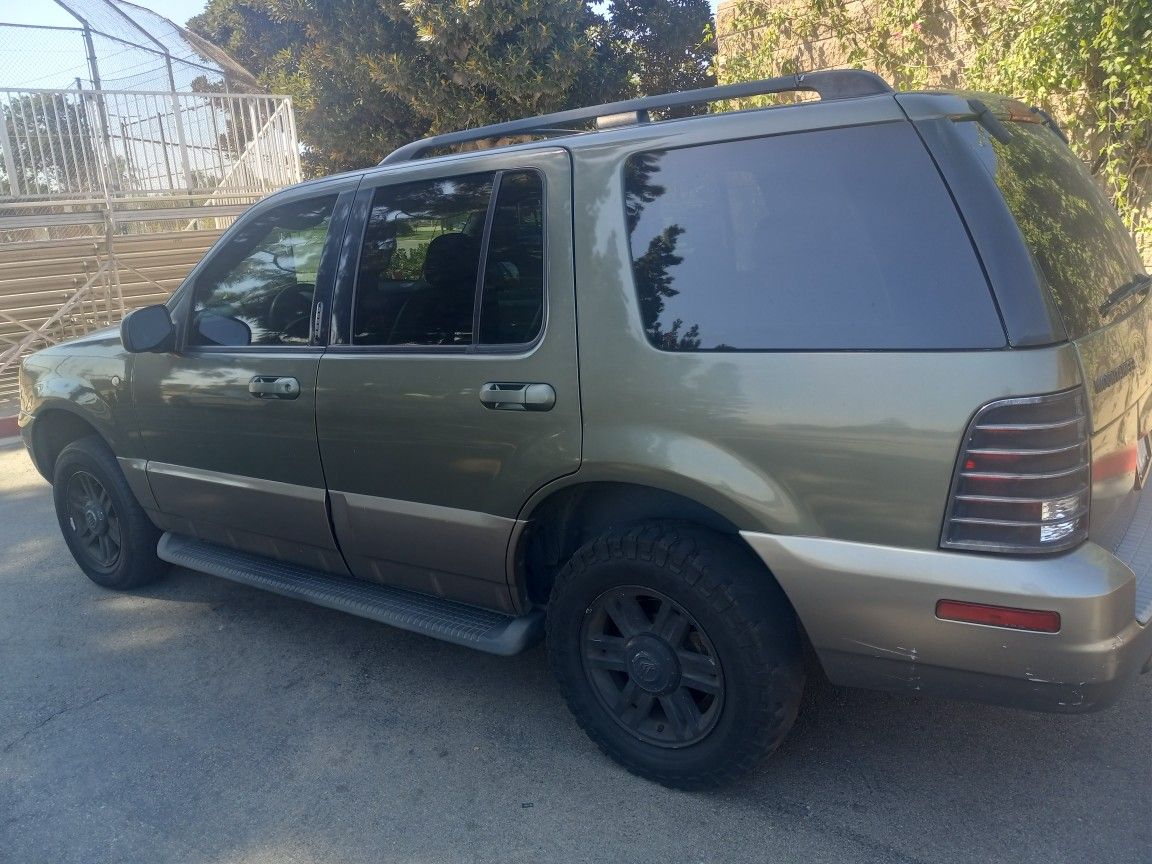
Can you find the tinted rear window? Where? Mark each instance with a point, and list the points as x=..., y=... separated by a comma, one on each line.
x=1079, y=244
x=828, y=240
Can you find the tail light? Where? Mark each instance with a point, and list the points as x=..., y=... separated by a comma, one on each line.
x=1022, y=481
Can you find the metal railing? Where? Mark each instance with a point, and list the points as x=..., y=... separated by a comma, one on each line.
x=127, y=144
x=55, y=289
x=101, y=144
x=109, y=197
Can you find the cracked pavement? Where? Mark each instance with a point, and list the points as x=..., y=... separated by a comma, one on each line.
x=202, y=721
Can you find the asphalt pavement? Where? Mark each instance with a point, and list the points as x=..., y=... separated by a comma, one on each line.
x=202, y=721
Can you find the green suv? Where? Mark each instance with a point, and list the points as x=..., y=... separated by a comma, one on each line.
x=857, y=386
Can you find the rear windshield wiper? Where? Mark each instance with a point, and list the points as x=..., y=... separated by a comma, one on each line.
x=1137, y=285
x=1047, y=121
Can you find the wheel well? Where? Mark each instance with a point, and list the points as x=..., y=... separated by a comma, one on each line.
x=55, y=430
x=569, y=518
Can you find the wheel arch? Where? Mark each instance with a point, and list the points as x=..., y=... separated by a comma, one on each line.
x=559, y=523
x=53, y=429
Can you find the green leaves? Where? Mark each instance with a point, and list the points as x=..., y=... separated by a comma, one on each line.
x=370, y=75
x=1086, y=62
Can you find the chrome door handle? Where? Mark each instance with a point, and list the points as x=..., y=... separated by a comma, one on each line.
x=271, y=387
x=501, y=396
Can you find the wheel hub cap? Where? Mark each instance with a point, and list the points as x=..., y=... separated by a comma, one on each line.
x=95, y=519
x=652, y=664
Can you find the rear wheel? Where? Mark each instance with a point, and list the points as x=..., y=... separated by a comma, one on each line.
x=677, y=653
x=106, y=529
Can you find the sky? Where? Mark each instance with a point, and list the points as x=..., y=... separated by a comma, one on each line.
x=48, y=13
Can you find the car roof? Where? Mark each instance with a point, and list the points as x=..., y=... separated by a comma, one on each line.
x=593, y=125
x=829, y=84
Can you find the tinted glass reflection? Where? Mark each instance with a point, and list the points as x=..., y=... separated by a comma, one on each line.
x=1077, y=239
x=264, y=279
x=837, y=239
x=512, y=310
x=419, y=262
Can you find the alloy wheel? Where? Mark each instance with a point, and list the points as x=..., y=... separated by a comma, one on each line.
x=652, y=667
x=94, y=521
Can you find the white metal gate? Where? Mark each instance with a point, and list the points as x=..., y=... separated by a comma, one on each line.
x=108, y=198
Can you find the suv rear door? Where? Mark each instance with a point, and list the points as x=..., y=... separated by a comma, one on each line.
x=1091, y=270
x=450, y=392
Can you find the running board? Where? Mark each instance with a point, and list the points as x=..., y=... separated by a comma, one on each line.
x=431, y=616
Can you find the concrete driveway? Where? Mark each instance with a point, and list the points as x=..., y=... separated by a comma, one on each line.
x=199, y=720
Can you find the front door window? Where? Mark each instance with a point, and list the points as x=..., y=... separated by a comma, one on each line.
x=258, y=289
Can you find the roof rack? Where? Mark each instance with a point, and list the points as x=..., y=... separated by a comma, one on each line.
x=828, y=84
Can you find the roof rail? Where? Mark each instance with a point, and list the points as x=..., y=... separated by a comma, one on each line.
x=828, y=84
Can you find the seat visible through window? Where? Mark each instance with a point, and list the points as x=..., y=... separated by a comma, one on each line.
x=440, y=312
x=421, y=257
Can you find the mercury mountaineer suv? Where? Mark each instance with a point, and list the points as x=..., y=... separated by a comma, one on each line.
x=859, y=385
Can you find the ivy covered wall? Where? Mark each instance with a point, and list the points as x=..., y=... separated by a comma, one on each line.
x=1087, y=62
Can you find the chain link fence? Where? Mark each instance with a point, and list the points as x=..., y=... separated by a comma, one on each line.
x=127, y=145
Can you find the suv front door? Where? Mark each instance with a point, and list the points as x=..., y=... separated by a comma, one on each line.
x=228, y=418
x=450, y=394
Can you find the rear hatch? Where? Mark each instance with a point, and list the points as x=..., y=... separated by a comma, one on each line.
x=1093, y=271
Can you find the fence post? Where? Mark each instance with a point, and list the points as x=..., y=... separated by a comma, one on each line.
x=9, y=155
x=293, y=143
x=178, y=117
x=164, y=150
x=109, y=179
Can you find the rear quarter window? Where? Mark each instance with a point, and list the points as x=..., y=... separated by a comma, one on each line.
x=1078, y=242
x=842, y=239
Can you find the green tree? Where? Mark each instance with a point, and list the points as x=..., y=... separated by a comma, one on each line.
x=1086, y=62
x=370, y=75
x=317, y=51
x=667, y=45
x=481, y=63
x=53, y=145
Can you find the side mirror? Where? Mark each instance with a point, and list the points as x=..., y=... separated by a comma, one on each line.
x=222, y=330
x=148, y=330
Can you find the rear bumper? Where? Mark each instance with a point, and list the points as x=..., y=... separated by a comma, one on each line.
x=870, y=614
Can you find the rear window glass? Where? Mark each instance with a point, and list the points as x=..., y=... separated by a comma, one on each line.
x=1080, y=246
x=841, y=239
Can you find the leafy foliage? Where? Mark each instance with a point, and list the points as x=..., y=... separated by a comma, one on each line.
x=1084, y=61
x=370, y=75
x=407, y=265
x=669, y=45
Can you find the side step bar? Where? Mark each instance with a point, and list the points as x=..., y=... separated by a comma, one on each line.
x=430, y=616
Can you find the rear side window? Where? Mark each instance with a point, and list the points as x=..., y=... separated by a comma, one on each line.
x=1079, y=244
x=440, y=256
x=512, y=308
x=841, y=239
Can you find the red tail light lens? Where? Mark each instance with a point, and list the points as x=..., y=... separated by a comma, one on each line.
x=1022, y=481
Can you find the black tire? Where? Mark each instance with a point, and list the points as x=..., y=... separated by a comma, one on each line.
x=738, y=620
x=106, y=529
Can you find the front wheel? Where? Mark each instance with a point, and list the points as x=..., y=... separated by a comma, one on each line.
x=106, y=529
x=677, y=653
